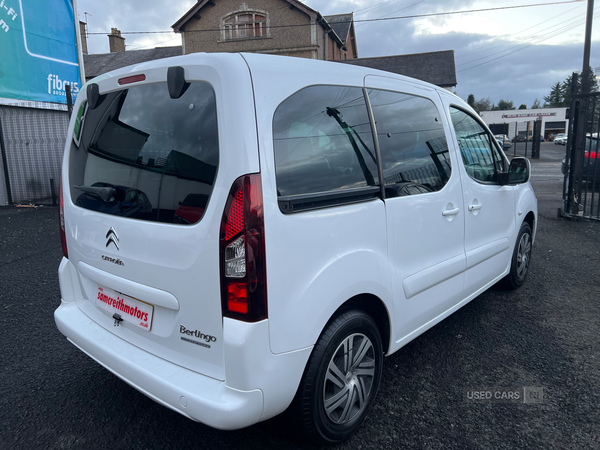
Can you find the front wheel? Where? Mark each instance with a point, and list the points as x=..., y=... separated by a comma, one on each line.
x=340, y=381
x=521, y=259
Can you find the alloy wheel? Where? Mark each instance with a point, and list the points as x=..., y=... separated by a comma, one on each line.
x=349, y=379
x=523, y=255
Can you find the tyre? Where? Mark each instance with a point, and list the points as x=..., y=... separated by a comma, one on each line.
x=340, y=381
x=521, y=259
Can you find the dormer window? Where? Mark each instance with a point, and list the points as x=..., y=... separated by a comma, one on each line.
x=244, y=25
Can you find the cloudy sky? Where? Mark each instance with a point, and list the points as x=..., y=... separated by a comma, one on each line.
x=511, y=54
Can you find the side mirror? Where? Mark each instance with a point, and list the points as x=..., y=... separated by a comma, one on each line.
x=519, y=172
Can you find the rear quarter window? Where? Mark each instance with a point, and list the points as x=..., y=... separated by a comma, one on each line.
x=323, y=142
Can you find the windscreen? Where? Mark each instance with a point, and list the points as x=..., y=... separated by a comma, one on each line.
x=143, y=155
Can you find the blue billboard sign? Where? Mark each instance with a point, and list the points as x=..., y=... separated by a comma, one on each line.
x=38, y=50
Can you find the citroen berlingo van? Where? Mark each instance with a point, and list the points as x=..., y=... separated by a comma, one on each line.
x=247, y=234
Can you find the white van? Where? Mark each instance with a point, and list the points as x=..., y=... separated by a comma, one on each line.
x=247, y=234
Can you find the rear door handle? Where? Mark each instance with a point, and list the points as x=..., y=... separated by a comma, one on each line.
x=450, y=212
x=475, y=207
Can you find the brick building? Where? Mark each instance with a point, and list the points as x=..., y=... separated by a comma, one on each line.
x=281, y=27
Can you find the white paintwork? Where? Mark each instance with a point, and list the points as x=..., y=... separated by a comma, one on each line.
x=425, y=238
x=421, y=256
x=207, y=400
x=149, y=294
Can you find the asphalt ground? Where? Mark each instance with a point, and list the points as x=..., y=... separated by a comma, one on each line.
x=542, y=340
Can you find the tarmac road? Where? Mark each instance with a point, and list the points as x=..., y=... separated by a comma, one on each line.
x=543, y=336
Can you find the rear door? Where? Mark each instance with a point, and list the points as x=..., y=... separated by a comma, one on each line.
x=138, y=156
x=424, y=205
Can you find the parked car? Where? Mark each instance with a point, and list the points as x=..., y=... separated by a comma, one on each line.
x=560, y=139
x=590, y=170
x=191, y=208
x=504, y=144
x=518, y=139
x=323, y=246
x=504, y=141
x=115, y=200
x=551, y=137
x=541, y=138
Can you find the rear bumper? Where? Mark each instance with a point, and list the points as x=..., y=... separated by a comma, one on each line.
x=196, y=396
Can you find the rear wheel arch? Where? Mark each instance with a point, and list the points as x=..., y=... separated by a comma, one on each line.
x=374, y=307
x=341, y=378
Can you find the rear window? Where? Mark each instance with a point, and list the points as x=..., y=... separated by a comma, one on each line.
x=142, y=154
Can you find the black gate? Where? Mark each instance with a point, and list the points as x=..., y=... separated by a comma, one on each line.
x=581, y=166
x=499, y=128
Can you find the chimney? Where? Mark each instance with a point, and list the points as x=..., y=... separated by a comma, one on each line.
x=115, y=41
x=84, y=49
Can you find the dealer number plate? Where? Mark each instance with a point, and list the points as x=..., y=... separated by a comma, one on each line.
x=130, y=309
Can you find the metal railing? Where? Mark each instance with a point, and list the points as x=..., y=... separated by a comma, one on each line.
x=581, y=166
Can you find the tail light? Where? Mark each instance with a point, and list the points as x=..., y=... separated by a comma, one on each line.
x=61, y=219
x=242, y=245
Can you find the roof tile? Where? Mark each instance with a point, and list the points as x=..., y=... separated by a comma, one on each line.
x=434, y=67
x=97, y=64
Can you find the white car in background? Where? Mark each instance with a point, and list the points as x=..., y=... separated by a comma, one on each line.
x=560, y=139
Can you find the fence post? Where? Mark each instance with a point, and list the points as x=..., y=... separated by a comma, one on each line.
x=568, y=185
x=516, y=134
x=69, y=100
x=526, y=138
x=5, y=166
x=52, y=192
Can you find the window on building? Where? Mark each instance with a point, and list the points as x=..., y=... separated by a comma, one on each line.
x=245, y=25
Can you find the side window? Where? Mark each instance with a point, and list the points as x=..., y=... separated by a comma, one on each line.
x=480, y=156
x=414, y=150
x=323, y=142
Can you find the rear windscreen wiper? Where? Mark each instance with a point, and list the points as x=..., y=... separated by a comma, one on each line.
x=106, y=194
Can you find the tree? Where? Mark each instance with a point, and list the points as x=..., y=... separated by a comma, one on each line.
x=536, y=104
x=566, y=86
x=523, y=106
x=504, y=105
x=471, y=101
x=556, y=97
x=593, y=82
x=484, y=104
x=560, y=93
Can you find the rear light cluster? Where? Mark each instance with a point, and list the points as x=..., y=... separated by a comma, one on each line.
x=242, y=244
x=590, y=155
x=61, y=219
